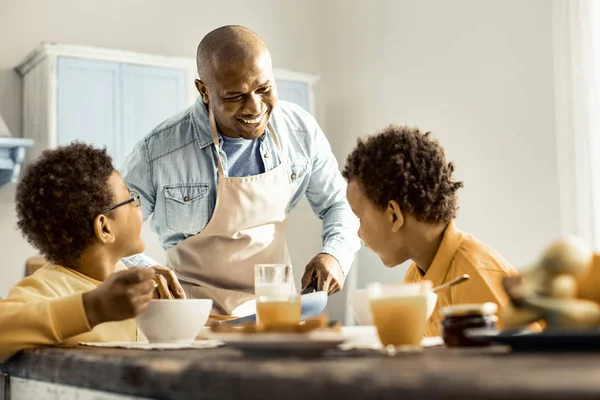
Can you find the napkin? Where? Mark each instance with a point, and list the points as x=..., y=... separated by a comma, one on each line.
x=198, y=344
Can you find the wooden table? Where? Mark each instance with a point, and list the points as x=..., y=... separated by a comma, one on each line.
x=224, y=373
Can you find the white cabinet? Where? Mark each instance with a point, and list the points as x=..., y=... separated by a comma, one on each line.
x=104, y=97
x=296, y=87
x=89, y=104
x=114, y=104
x=150, y=95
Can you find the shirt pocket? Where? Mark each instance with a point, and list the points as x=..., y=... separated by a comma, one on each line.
x=187, y=207
x=298, y=170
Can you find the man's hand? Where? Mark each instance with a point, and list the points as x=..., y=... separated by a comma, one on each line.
x=168, y=284
x=326, y=270
x=121, y=296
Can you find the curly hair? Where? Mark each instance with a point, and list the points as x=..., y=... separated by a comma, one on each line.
x=403, y=164
x=58, y=197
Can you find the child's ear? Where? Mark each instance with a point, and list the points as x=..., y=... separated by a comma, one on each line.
x=103, y=230
x=396, y=215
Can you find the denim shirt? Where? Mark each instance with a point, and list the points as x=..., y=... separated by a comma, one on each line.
x=174, y=171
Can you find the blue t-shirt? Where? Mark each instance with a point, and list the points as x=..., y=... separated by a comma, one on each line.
x=243, y=156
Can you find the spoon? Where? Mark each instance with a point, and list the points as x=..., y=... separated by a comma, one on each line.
x=453, y=282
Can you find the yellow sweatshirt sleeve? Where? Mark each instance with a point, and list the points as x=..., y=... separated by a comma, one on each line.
x=27, y=322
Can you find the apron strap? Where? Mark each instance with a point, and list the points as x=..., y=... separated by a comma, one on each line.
x=215, y=135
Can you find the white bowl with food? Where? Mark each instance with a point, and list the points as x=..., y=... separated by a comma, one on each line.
x=174, y=321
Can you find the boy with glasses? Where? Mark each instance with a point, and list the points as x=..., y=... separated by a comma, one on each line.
x=73, y=206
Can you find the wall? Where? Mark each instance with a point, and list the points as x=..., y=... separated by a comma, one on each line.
x=478, y=74
x=149, y=26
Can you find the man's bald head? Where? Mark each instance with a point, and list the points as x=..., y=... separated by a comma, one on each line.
x=236, y=81
x=226, y=45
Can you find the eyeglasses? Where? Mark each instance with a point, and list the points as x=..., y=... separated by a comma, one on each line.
x=134, y=197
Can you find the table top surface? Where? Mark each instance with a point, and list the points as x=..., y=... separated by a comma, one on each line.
x=224, y=373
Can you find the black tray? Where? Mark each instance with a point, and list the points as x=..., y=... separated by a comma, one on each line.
x=582, y=340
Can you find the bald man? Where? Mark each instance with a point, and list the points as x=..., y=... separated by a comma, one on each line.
x=220, y=178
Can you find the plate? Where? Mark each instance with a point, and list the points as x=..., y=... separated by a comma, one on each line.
x=313, y=304
x=196, y=344
x=583, y=340
x=282, y=343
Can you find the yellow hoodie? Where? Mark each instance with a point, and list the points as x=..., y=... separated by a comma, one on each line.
x=460, y=253
x=46, y=309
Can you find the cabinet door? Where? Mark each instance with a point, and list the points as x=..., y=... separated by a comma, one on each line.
x=89, y=103
x=150, y=95
x=294, y=92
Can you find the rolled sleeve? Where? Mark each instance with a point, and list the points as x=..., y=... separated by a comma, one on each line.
x=326, y=194
x=137, y=175
x=342, y=253
x=139, y=260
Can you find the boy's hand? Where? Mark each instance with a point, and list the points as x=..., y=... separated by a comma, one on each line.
x=122, y=296
x=168, y=284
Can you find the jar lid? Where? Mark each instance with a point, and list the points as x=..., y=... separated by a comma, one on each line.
x=463, y=310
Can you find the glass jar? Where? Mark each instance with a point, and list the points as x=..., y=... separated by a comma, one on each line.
x=459, y=318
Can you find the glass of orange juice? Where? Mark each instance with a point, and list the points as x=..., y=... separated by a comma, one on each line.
x=400, y=314
x=278, y=310
x=277, y=303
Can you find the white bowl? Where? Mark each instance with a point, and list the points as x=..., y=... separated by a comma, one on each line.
x=359, y=301
x=174, y=321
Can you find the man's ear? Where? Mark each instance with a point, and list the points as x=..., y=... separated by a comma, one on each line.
x=202, y=89
x=396, y=215
x=102, y=229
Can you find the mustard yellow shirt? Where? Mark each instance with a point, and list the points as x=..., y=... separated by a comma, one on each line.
x=46, y=309
x=460, y=253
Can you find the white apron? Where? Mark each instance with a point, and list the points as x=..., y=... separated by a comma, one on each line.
x=247, y=228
